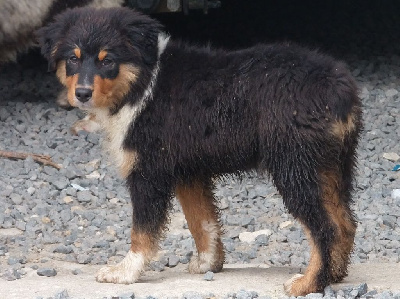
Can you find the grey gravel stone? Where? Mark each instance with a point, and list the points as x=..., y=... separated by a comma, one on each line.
x=16, y=198
x=61, y=183
x=11, y=274
x=49, y=272
x=13, y=260
x=209, y=275
x=242, y=294
x=127, y=296
x=62, y=295
x=84, y=196
x=262, y=240
x=156, y=266
x=63, y=249
x=173, y=261
x=314, y=296
x=76, y=271
x=192, y=295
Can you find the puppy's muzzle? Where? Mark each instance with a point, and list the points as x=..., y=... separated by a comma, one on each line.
x=83, y=94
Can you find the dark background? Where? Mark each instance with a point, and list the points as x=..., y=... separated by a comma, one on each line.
x=341, y=27
x=350, y=30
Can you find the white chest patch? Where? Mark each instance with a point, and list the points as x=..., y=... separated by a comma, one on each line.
x=116, y=126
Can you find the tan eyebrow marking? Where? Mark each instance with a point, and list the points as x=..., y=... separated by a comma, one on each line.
x=102, y=55
x=77, y=52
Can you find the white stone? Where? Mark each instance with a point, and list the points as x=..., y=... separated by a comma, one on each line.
x=114, y=200
x=396, y=193
x=391, y=157
x=31, y=190
x=94, y=175
x=251, y=236
x=285, y=224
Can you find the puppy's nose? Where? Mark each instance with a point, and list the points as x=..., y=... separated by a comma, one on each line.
x=83, y=94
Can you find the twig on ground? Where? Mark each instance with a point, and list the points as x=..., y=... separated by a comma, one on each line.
x=44, y=159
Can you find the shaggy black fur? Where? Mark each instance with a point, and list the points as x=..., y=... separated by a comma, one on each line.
x=279, y=109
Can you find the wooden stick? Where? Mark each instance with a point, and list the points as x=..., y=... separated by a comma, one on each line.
x=44, y=159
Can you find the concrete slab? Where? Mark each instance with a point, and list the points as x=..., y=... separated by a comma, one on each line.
x=176, y=281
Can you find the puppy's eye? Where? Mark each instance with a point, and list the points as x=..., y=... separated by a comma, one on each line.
x=106, y=62
x=73, y=59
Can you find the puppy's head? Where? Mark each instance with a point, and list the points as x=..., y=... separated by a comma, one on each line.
x=101, y=54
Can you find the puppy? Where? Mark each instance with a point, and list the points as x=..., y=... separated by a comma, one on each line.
x=176, y=117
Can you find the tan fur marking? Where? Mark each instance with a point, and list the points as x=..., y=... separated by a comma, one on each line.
x=77, y=52
x=340, y=129
x=55, y=49
x=143, y=243
x=102, y=55
x=197, y=202
x=109, y=92
x=70, y=83
x=129, y=161
x=61, y=72
x=307, y=283
x=346, y=229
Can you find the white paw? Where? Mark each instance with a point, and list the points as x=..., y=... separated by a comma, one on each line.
x=126, y=272
x=203, y=263
x=288, y=284
x=88, y=124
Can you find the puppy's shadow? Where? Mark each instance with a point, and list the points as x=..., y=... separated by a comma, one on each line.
x=240, y=273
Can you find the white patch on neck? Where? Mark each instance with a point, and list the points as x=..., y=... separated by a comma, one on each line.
x=163, y=40
x=116, y=126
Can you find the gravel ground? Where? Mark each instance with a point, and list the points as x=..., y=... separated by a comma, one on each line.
x=82, y=212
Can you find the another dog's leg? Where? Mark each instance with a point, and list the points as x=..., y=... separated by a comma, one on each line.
x=150, y=201
x=202, y=215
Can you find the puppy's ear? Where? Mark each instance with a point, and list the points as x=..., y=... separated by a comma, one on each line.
x=50, y=36
x=143, y=34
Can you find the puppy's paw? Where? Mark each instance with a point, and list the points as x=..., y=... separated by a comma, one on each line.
x=288, y=285
x=203, y=263
x=88, y=124
x=300, y=285
x=126, y=272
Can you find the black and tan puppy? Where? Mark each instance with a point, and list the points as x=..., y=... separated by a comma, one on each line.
x=176, y=117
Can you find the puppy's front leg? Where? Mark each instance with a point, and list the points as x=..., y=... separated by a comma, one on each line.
x=150, y=201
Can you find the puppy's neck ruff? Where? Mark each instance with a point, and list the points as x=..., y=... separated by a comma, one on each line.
x=116, y=126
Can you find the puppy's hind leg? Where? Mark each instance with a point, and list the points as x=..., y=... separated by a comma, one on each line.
x=150, y=201
x=337, y=200
x=202, y=215
x=298, y=182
